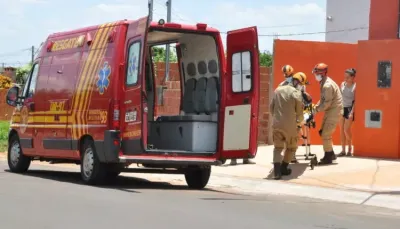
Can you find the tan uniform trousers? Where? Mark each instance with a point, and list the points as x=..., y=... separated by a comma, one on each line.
x=329, y=123
x=282, y=141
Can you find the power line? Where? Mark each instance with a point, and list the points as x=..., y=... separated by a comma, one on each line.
x=308, y=33
x=174, y=12
x=15, y=53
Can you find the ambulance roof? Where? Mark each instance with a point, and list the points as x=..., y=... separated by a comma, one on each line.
x=153, y=25
x=83, y=30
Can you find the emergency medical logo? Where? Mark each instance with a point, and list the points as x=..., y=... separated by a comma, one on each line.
x=132, y=68
x=103, y=80
x=24, y=119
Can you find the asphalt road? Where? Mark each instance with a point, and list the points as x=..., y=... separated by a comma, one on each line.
x=48, y=199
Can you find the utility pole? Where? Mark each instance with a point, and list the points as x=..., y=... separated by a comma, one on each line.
x=33, y=54
x=150, y=10
x=169, y=2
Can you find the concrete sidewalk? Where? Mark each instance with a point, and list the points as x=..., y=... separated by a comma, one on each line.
x=352, y=180
x=362, y=174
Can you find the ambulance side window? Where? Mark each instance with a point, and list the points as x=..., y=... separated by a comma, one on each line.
x=30, y=86
x=133, y=70
x=241, y=72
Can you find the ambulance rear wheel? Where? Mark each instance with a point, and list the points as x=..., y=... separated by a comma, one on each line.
x=17, y=161
x=197, y=178
x=93, y=172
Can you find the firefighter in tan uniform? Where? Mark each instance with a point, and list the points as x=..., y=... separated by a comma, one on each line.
x=288, y=72
x=332, y=106
x=287, y=113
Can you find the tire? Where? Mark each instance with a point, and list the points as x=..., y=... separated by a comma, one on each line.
x=93, y=172
x=198, y=178
x=223, y=161
x=17, y=161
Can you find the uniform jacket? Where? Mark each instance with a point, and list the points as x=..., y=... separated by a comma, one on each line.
x=331, y=100
x=287, y=110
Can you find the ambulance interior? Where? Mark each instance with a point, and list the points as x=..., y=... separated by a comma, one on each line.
x=195, y=129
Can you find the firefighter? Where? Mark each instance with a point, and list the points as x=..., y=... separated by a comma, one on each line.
x=288, y=74
x=288, y=71
x=331, y=104
x=287, y=114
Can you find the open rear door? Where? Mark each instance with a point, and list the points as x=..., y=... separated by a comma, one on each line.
x=241, y=97
x=133, y=105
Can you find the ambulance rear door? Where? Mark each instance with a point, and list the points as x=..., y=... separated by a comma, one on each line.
x=133, y=112
x=240, y=99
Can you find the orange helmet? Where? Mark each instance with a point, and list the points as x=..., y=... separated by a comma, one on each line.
x=287, y=70
x=320, y=68
x=301, y=77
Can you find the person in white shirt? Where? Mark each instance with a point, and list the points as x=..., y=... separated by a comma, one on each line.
x=348, y=89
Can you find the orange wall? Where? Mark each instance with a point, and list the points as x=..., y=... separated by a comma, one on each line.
x=383, y=19
x=303, y=56
x=384, y=142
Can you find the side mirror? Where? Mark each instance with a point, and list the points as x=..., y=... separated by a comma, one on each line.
x=13, y=96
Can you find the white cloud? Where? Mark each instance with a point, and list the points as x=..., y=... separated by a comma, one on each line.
x=224, y=16
x=103, y=12
x=308, y=17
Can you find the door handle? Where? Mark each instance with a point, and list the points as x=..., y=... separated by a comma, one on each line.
x=246, y=100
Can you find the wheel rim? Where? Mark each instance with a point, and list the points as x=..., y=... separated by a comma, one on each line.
x=88, y=163
x=15, y=153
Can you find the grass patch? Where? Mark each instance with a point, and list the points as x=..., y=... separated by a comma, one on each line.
x=4, y=127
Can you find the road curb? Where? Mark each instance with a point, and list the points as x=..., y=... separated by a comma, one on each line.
x=377, y=199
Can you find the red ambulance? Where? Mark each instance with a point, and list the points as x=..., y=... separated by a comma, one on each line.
x=91, y=97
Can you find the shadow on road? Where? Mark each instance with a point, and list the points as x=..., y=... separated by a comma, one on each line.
x=122, y=183
x=297, y=170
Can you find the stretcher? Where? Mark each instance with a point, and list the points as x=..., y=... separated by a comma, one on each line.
x=309, y=123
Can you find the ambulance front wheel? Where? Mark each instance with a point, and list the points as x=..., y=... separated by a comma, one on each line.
x=197, y=178
x=17, y=161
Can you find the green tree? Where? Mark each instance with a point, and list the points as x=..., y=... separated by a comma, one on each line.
x=22, y=73
x=265, y=59
x=159, y=55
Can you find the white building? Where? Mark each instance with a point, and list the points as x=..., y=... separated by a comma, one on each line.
x=351, y=16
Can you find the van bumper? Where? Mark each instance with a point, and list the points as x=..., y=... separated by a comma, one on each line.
x=108, y=149
x=178, y=161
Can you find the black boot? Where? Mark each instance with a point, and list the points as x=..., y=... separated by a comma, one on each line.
x=277, y=171
x=328, y=158
x=285, y=170
x=334, y=157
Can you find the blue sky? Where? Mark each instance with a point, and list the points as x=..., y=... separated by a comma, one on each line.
x=29, y=22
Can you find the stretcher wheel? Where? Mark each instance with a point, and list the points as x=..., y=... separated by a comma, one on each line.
x=313, y=162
